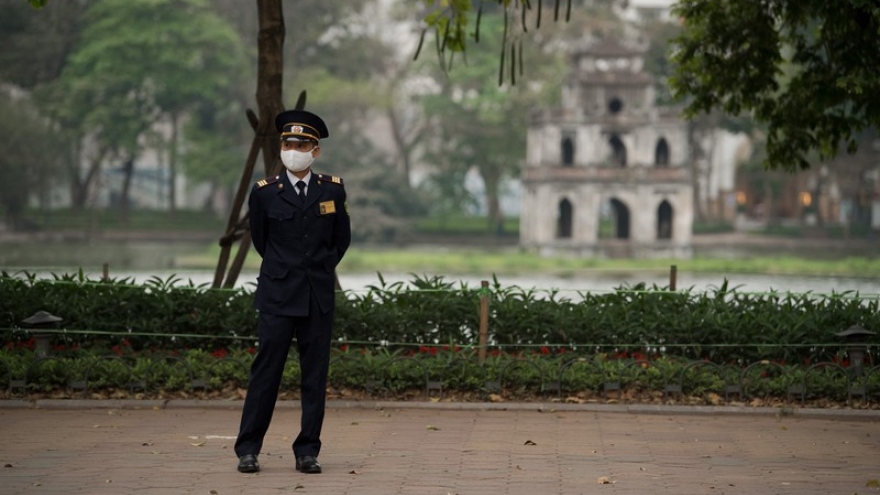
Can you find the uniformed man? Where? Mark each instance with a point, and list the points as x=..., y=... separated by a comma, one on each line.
x=300, y=226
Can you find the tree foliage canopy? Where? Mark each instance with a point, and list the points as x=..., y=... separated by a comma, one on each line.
x=137, y=63
x=805, y=69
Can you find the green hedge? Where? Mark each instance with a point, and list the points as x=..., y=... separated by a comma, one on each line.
x=723, y=325
x=437, y=373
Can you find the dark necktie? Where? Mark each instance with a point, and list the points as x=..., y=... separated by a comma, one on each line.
x=301, y=190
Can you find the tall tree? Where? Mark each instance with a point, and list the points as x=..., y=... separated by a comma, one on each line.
x=806, y=69
x=25, y=158
x=479, y=124
x=138, y=64
x=216, y=139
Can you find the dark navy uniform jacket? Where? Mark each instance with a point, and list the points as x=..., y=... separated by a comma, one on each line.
x=301, y=244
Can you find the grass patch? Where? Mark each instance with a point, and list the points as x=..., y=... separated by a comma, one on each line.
x=139, y=219
x=454, y=261
x=460, y=224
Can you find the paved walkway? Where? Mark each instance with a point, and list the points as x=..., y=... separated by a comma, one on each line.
x=66, y=447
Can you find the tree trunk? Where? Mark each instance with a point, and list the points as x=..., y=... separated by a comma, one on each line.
x=405, y=142
x=708, y=209
x=80, y=186
x=270, y=46
x=128, y=172
x=172, y=164
x=697, y=155
x=270, y=43
x=491, y=183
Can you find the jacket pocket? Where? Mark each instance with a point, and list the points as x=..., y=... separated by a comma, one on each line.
x=282, y=224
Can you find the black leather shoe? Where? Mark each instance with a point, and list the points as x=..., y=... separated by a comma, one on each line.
x=248, y=464
x=308, y=464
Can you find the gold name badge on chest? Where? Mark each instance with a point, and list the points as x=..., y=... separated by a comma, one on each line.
x=327, y=207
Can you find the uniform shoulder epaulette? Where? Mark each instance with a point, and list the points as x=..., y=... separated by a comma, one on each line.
x=268, y=180
x=330, y=178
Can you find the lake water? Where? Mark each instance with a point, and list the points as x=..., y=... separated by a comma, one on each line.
x=143, y=260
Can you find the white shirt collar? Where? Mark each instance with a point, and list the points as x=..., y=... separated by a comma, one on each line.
x=294, y=179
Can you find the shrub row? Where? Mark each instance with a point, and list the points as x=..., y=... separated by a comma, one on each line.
x=438, y=373
x=723, y=325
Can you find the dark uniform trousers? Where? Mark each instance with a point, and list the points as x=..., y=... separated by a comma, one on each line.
x=276, y=333
x=301, y=242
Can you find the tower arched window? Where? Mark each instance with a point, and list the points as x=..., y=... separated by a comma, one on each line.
x=664, y=220
x=618, y=151
x=661, y=153
x=565, y=220
x=614, y=220
x=567, y=152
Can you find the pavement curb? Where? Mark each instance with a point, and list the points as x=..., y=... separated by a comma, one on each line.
x=795, y=412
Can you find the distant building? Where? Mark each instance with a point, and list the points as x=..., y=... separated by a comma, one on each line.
x=606, y=174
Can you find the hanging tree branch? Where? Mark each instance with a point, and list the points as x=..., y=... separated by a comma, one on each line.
x=450, y=27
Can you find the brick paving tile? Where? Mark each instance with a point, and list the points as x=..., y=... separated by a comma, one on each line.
x=442, y=450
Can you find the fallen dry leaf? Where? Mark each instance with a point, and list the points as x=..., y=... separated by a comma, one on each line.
x=353, y=472
x=495, y=398
x=605, y=480
x=432, y=427
x=529, y=442
x=873, y=484
x=199, y=444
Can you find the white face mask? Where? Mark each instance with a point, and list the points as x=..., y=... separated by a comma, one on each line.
x=297, y=161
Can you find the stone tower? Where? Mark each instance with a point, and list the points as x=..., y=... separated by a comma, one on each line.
x=605, y=175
